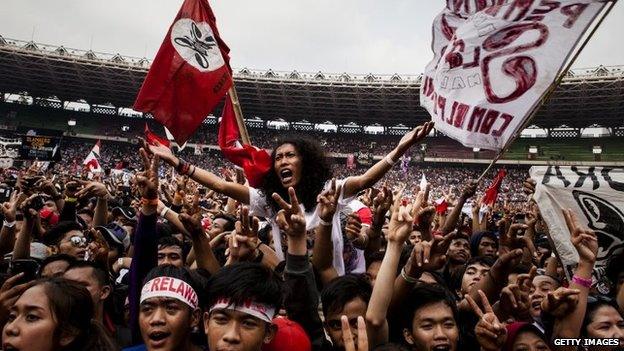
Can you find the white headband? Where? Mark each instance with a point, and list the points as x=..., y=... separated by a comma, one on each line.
x=170, y=287
x=258, y=310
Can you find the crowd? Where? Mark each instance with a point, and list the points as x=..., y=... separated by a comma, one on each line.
x=166, y=251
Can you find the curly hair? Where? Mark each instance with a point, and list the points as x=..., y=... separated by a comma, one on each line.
x=315, y=172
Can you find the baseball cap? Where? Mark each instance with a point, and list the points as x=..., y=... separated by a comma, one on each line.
x=128, y=212
x=115, y=235
x=289, y=336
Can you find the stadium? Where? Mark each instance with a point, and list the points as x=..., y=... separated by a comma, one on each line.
x=88, y=95
x=312, y=210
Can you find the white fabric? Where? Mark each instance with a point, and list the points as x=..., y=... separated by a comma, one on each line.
x=596, y=195
x=423, y=183
x=259, y=207
x=170, y=287
x=493, y=63
x=258, y=310
x=93, y=159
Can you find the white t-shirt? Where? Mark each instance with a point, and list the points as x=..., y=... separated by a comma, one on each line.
x=259, y=207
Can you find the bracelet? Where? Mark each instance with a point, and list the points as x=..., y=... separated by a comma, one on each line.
x=389, y=161
x=164, y=211
x=153, y=202
x=70, y=199
x=587, y=283
x=324, y=224
x=192, y=171
x=183, y=167
x=407, y=278
x=8, y=224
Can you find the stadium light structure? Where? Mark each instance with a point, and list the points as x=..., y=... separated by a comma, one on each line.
x=71, y=123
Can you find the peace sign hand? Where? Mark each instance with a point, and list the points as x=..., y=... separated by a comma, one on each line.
x=347, y=336
x=328, y=201
x=148, y=180
x=583, y=239
x=491, y=333
x=561, y=302
x=290, y=218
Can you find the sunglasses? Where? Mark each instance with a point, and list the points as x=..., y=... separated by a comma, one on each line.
x=78, y=241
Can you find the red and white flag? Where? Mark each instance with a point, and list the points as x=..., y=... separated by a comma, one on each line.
x=491, y=194
x=91, y=163
x=494, y=60
x=254, y=161
x=153, y=138
x=441, y=205
x=190, y=74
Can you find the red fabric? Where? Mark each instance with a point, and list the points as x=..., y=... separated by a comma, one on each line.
x=255, y=162
x=151, y=137
x=366, y=215
x=441, y=205
x=491, y=194
x=175, y=91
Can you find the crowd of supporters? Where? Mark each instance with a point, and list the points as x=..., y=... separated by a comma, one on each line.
x=177, y=251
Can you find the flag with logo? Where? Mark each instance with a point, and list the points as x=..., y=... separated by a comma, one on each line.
x=254, y=161
x=495, y=60
x=91, y=163
x=190, y=74
x=595, y=195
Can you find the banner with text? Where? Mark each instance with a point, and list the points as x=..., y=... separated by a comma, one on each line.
x=39, y=147
x=494, y=60
x=595, y=194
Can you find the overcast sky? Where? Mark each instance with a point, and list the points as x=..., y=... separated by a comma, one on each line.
x=355, y=36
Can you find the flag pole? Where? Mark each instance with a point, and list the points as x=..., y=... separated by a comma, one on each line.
x=550, y=90
x=239, y=115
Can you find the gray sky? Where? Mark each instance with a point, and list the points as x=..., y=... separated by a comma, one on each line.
x=355, y=36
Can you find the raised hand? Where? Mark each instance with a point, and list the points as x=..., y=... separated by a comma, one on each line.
x=328, y=202
x=243, y=242
x=290, y=218
x=491, y=333
x=347, y=336
x=381, y=205
x=148, y=179
x=94, y=189
x=515, y=300
x=192, y=224
x=401, y=221
x=160, y=150
x=561, y=302
x=583, y=239
x=416, y=135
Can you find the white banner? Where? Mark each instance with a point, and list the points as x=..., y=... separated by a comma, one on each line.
x=595, y=194
x=494, y=62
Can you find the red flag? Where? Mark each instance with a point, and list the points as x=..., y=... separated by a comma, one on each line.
x=190, y=73
x=441, y=205
x=151, y=137
x=255, y=162
x=489, y=198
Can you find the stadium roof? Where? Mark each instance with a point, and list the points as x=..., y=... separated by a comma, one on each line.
x=585, y=97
